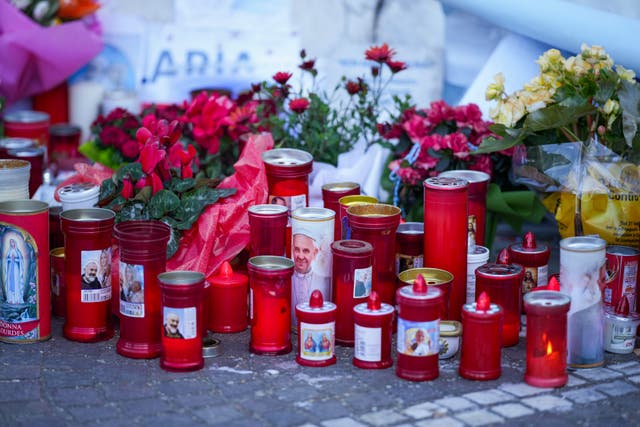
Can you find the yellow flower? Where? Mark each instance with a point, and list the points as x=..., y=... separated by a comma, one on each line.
x=596, y=57
x=628, y=75
x=535, y=100
x=508, y=111
x=577, y=66
x=495, y=90
x=550, y=60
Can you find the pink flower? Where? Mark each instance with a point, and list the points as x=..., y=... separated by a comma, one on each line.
x=130, y=149
x=307, y=65
x=440, y=111
x=379, y=54
x=281, y=77
x=127, y=188
x=150, y=156
x=112, y=135
x=396, y=66
x=457, y=143
x=299, y=105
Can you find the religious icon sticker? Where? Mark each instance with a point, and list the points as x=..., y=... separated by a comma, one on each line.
x=317, y=340
x=95, y=275
x=362, y=282
x=179, y=322
x=131, y=289
x=290, y=202
x=418, y=338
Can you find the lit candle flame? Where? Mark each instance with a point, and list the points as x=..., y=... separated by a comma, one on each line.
x=549, y=348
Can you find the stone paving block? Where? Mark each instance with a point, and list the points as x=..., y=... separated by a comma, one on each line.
x=384, y=417
x=597, y=374
x=574, y=381
x=479, y=418
x=488, y=397
x=522, y=389
x=21, y=390
x=627, y=368
x=90, y=413
x=440, y=422
x=547, y=402
x=584, y=395
x=634, y=379
x=455, y=403
x=77, y=396
x=617, y=388
x=220, y=414
x=342, y=422
x=424, y=410
x=512, y=410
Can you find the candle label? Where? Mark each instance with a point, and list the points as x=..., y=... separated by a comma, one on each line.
x=405, y=262
x=534, y=277
x=418, y=338
x=179, y=322
x=368, y=344
x=131, y=290
x=250, y=304
x=317, y=340
x=622, y=338
x=362, y=282
x=95, y=275
x=291, y=202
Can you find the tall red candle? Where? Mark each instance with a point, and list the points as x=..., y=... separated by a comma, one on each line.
x=373, y=331
x=143, y=256
x=409, y=246
x=316, y=331
x=87, y=238
x=480, y=352
x=181, y=302
x=419, y=309
x=270, y=310
x=268, y=225
x=331, y=194
x=352, y=279
x=445, y=234
x=228, y=311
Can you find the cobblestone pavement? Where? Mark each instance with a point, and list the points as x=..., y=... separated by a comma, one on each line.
x=59, y=382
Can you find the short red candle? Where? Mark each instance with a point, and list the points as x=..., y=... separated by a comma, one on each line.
x=419, y=308
x=546, y=338
x=345, y=202
x=143, y=256
x=270, y=311
x=268, y=225
x=28, y=124
x=373, y=331
x=433, y=277
x=502, y=282
x=331, y=194
x=64, y=140
x=58, y=287
x=87, y=236
x=534, y=258
x=409, y=246
x=288, y=172
x=481, y=340
x=228, y=311
x=377, y=224
x=181, y=302
x=316, y=331
x=445, y=234
x=352, y=279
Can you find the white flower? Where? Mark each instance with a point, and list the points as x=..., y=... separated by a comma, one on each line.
x=496, y=89
x=508, y=111
x=625, y=74
x=550, y=60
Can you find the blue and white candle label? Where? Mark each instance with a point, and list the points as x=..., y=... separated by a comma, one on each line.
x=418, y=338
x=131, y=290
x=95, y=275
x=368, y=344
x=317, y=340
x=362, y=282
x=179, y=322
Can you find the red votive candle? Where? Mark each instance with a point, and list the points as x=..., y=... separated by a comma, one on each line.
x=502, y=283
x=28, y=124
x=433, y=277
x=87, y=239
x=445, y=234
x=419, y=309
x=377, y=224
x=409, y=246
x=64, y=140
x=181, y=302
x=288, y=172
x=481, y=340
x=58, y=287
x=268, y=224
x=345, y=203
x=352, y=279
x=546, y=338
x=373, y=322
x=316, y=331
x=534, y=258
x=270, y=310
x=228, y=310
x=478, y=187
x=143, y=256
x=331, y=194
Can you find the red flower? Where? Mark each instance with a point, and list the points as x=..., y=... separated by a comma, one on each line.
x=352, y=87
x=299, y=105
x=130, y=149
x=240, y=118
x=375, y=71
x=150, y=156
x=379, y=54
x=389, y=131
x=127, y=188
x=396, y=66
x=282, y=77
x=307, y=65
x=111, y=135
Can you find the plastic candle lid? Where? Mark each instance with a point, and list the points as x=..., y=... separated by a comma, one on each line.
x=78, y=192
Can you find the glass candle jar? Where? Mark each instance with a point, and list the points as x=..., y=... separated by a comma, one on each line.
x=268, y=224
x=582, y=273
x=445, y=234
x=181, y=308
x=14, y=179
x=419, y=309
x=546, y=338
x=143, y=256
x=316, y=331
x=373, y=322
x=64, y=142
x=352, y=279
x=331, y=194
x=409, y=246
x=36, y=156
x=87, y=239
x=345, y=203
x=377, y=224
x=502, y=283
x=481, y=340
x=227, y=307
x=433, y=277
x=270, y=310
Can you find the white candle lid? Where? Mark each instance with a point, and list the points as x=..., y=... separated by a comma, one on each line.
x=78, y=192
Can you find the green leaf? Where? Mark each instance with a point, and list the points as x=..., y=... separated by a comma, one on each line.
x=132, y=210
x=629, y=97
x=174, y=242
x=492, y=144
x=163, y=202
x=131, y=170
x=556, y=116
x=178, y=185
x=107, y=189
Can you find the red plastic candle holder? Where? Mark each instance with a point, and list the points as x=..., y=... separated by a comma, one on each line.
x=143, y=256
x=534, y=258
x=64, y=142
x=228, y=311
x=316, y=331
x=377, y=223
x=345, y=203
x=331, y=194
x=373, y=322
x=87, y=239
x=445, y=234
x=352, y=279
x=409, y=246
x=28, y=124
x=418, y=336
x=268, y=224
x=58, y=286
x=270, y=310
x=181, y=303
x=433, y=277
x=480, y=352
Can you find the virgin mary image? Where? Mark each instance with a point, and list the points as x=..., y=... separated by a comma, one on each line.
x=14, y=274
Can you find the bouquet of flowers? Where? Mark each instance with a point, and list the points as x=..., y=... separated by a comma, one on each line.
x=577, y=142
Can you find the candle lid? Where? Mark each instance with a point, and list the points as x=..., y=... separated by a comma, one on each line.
x=313, y=214
x=410, y=228
x=479, y=253
x=180, y=277
x=287, y=157
x=270, y=262
x=78, y=191
x=529, y=245
x=432, y=276
x=473, y=308
x=622, y=250
x=409, y=291
x=355, y=199
x=30, y=151
x=339, y=187
x=267, y=209
x=316, y=304
x=373, y=306
x=352, y=247
x=226, y=277
x=26, y=116
x=546, y=299
x=64, y=129
x=493, y=270
x=450, y=328
x=16, y=143
x=583, y=244
x=445, y=183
